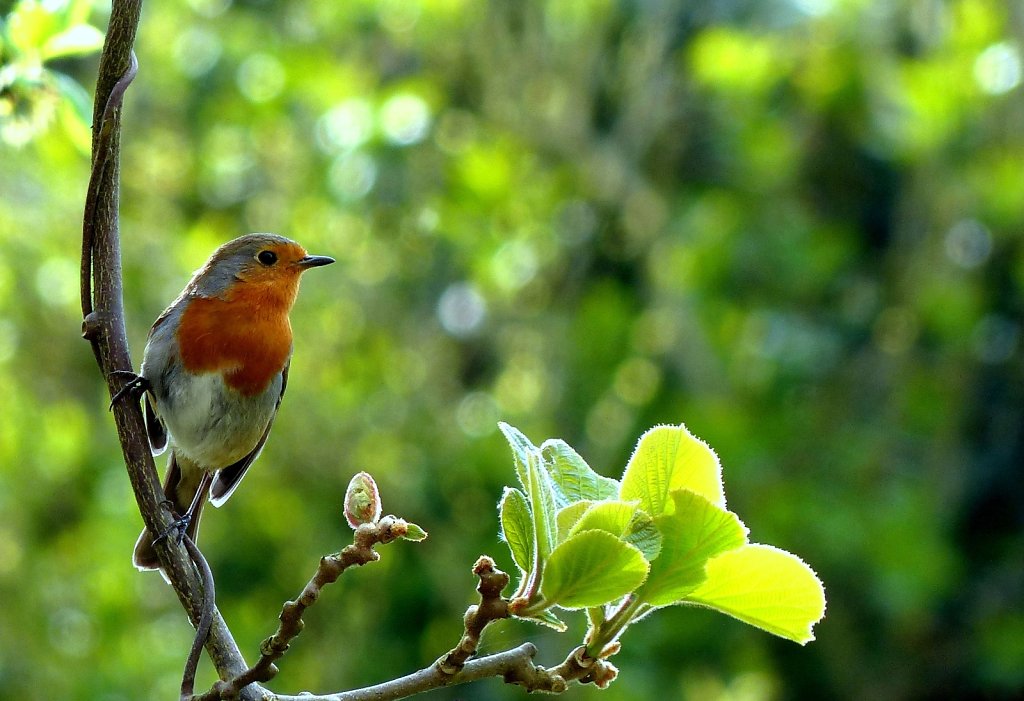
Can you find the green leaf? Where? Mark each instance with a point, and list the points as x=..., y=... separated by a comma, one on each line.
x=620, y=518
x=540, y=492
x=611, y=516
x=668, y=458
x=546, y=618
x=590, y=569
x=696, y=531
x=643, y=534
x=766, y=587
x=75, y=41
x=543, y=507
x=517, y=527
x=414, y=533
x=573, y=476
x=522, y=449
x=568, y=516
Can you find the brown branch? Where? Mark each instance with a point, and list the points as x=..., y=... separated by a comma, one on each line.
x=104, y=327
x=491, y=608
x=361, y=552
x=515, y=666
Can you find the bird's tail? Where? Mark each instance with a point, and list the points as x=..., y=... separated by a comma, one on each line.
x=181, y=485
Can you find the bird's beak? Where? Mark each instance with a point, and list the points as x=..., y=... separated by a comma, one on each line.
x=314, y=261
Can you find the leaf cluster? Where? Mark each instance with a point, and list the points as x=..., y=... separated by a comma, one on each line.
x=659, y=536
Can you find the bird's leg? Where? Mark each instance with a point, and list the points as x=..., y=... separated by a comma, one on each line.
x=181, y=524
x=135, y=386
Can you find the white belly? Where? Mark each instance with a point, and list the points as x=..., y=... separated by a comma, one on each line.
x=213, y=425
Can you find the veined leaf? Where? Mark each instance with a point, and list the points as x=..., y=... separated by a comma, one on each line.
x=568, y=516
x=669, y=458
x=611, y=516
x=643, y=534
x=696, y=531
x=543, y=507
x=517, y=527
x=540, y=492
x=522, y=449
x=590, y=569
x=573, y=476
x=620, y=518
x=766, y=587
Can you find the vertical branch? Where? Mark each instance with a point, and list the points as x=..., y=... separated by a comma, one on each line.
x=104, y=326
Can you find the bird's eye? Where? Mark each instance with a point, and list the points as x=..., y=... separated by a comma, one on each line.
x=266, y=257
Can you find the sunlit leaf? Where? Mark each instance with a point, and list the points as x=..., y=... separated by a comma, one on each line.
x=590, y=569
x=765, y=587
x=643, y=534
x=668, y=458
x=611, y=516
x=568, y=516
x=517, y=527
x=696, y=531
x=574, y=477
x=543, y=507
x=522, y=449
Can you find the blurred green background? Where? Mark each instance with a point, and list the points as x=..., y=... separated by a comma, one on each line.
x=795, y=225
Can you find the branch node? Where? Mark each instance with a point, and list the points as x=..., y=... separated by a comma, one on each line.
x=93, y=324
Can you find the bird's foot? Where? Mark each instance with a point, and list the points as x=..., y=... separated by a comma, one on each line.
x=177, y=528
x=134, y=387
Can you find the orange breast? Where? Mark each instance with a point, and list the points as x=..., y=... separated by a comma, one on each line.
x=246, y=336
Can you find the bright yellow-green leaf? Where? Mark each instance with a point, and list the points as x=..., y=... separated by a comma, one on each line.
x=668, y=458
x=643, y=533
x=590, y=569
x=568, y=516
x=765, y=587
x=696, y=531
x=610, y=516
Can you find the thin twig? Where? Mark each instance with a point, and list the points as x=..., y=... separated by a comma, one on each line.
x=361, y=552
x=188, y=678
x=103, y=323
x=491, y=608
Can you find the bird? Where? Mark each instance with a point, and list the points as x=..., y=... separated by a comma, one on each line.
x=214, y=371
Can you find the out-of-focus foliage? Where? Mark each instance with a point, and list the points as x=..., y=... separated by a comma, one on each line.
x=31, y=93
x=795, y=225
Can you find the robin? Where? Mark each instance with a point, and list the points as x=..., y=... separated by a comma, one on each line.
x=214, y=371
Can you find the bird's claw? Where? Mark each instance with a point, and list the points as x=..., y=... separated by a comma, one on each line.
x=134, y=387
x=179, y=525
